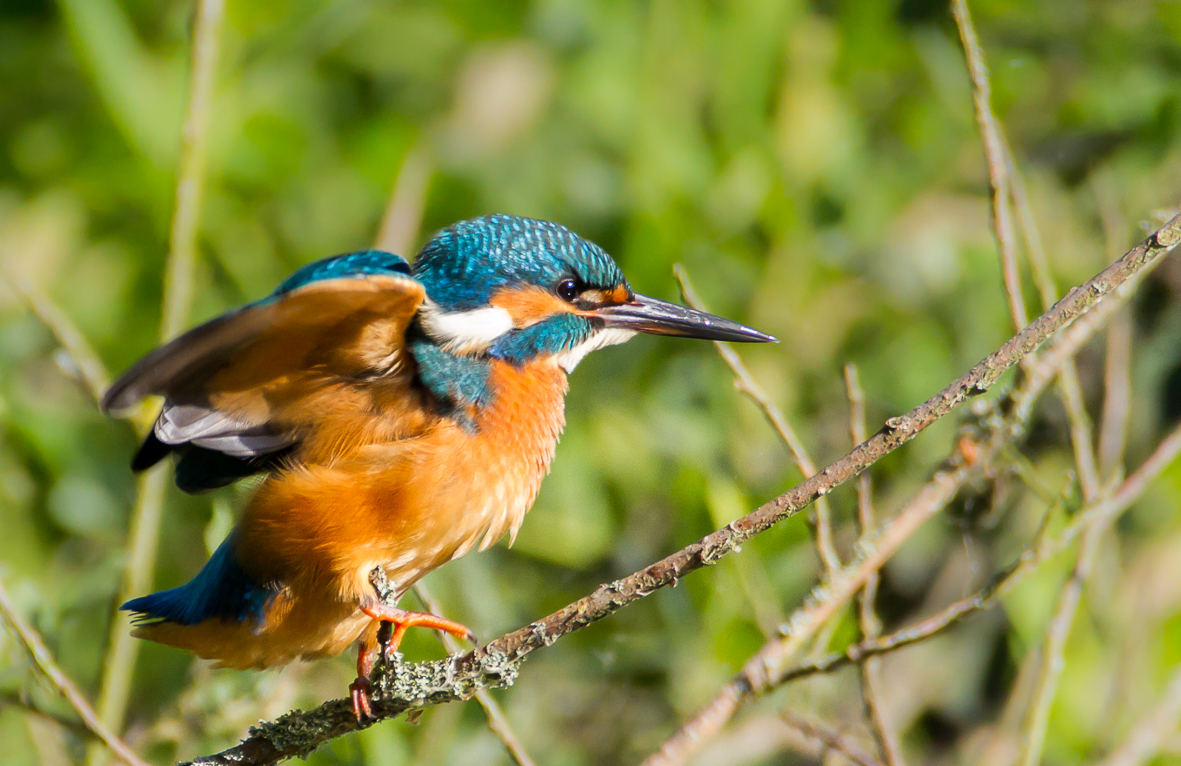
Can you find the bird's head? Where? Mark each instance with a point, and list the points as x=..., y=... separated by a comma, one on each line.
x=517, y=288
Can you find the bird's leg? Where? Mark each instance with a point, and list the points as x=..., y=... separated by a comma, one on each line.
x=388, y=641
x=359, y=689
x=403, y=619
x=385, y=634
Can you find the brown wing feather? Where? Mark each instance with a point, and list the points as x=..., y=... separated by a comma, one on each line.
x=257, y=371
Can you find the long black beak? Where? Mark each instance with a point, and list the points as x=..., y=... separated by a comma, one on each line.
x=644, y=314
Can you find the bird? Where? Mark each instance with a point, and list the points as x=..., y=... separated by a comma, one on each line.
x=402, y=415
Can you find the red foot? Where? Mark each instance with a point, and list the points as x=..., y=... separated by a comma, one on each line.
x=401, y=619
x=359, y=694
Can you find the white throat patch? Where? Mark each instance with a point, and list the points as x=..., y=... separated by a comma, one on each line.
x=570, y=358
x=464, y=332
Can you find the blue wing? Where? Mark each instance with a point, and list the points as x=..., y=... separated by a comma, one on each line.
x=351, y=265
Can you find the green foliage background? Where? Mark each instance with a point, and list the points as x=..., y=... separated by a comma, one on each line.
x=816, y=167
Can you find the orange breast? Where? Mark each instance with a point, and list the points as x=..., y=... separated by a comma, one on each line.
x=408, y=500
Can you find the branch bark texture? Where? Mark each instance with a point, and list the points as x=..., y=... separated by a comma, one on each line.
x=403, y=687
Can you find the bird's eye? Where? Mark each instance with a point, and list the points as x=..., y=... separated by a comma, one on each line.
x=568, y=290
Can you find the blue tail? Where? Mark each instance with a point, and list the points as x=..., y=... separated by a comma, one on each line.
x=221, y=589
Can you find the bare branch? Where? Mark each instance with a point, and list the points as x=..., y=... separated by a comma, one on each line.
x=759, y=672
x=403, y=214
x=1052, y=661
x=1116, y=411
x=871, y=626
x=178, y=295
x=745, y=383
x=1113, y=434
x=42, y=658
x=182, y=246
x=767, y=669
x=762, y=671
x=994, y=152
x=89, y=368
x=1068, y=380
x=858, y=432
x=1007, y=184
x=496, y=664
x=1039, y=552
x=830, y=738
x=1151, y=733
x=497, y=720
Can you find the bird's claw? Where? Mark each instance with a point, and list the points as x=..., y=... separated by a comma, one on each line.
x=359, y=694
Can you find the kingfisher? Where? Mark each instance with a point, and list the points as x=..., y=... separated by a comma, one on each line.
x=403, y=415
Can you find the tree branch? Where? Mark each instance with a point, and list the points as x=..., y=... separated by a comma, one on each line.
x=1007, y=186
x=1042, y=550
x=1116, y=411
x=497, y=720
x=88, y=368
x=403, y=214
x=1152, y=731
x=745, y=383
x=994, y=153
x=43, y=659
x=178, y=297
x=496, y=665
x=759, y=672
x=871, y=626
x=829, y=738
x=768, y=670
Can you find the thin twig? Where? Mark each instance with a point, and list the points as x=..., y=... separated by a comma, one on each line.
x=18, y=698
x=871, y=626
x=1043, y=278
x=497, y=663
x=1154, y=729
x=994, y=153
x=44, y=661
x=762, y=671
x=403, y=215
x=829, y=738
x=1043, y=549
x=497, y=720
x=90, y=370
x=858, y=432
x=1117, y=382
x=1053, y=661
x=1116, y=411
x=758, y=672
x=1068, y=379
x=178, y=294
x=768, y=669
x=180, y=270
x=1007, y=185
x=745, y=383
x=1113, y=435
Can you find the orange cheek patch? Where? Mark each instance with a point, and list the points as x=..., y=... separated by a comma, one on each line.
x=619, y=295
x=529, y=305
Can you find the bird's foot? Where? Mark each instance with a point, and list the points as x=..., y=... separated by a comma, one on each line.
x=403, y=619
x=359, y=694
